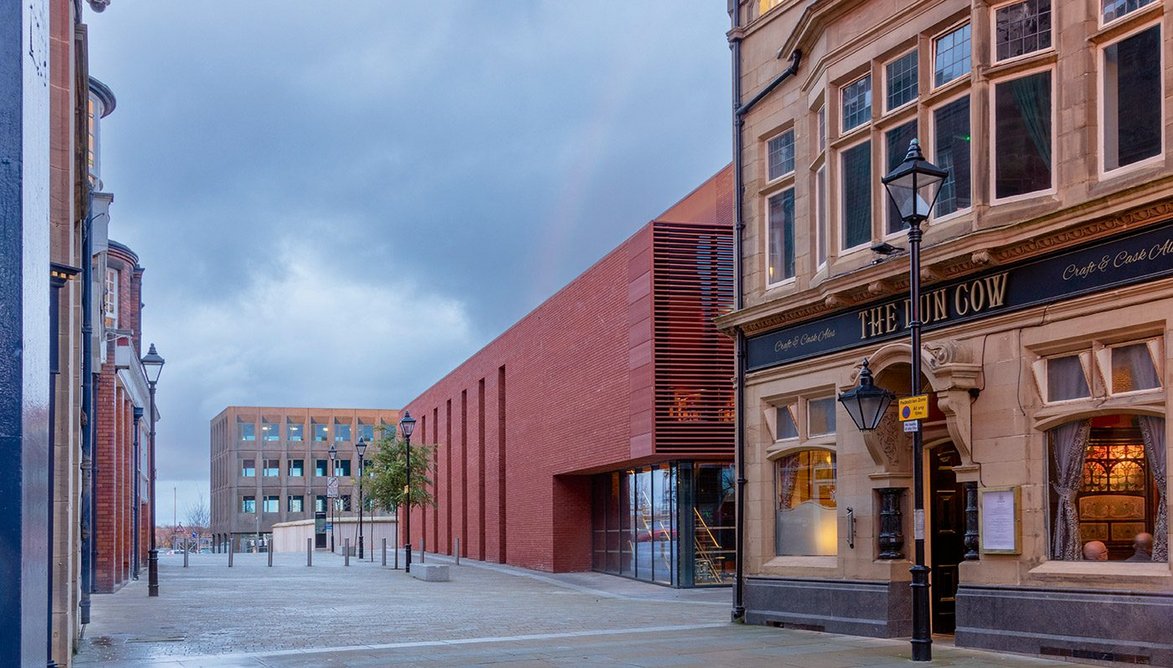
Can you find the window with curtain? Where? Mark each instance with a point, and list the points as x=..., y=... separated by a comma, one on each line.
x=1133, y=369
x=780, y=151
x=1114, y=9
x=857, y=195
x=1108, y=478
x=951, y=151
x=897, y=140
x=1022, y=135
x=804, y=487
x=1021, y=28
x=1066, y=379
x=900, y=78
x=951, y=55
x=857, y=103
x=780, y=217
x=1133, y=99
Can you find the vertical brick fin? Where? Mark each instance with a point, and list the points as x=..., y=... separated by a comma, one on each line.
x=692, y=284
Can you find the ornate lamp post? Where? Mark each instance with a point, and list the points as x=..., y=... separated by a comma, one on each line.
x=361, y=447
x=331, y=500
x=406, y=427
x=153, y=366
x=913, y=188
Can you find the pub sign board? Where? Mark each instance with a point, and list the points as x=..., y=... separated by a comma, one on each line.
x=1113, y=263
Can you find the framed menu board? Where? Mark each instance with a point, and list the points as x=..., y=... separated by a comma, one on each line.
x=999, y=514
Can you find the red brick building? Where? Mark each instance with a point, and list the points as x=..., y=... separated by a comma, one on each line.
x=120, y=446
x=597, y=432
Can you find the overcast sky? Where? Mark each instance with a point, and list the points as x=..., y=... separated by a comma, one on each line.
x=337, y=203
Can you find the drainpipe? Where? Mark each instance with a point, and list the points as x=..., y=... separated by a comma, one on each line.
x=739, y=112
x=138, y=416
x=87, y=421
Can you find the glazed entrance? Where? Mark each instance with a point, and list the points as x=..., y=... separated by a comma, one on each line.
x=670, y=523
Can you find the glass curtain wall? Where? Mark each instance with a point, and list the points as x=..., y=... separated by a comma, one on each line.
x=670, y=524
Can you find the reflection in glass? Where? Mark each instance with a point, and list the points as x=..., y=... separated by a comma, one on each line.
x=805, y=522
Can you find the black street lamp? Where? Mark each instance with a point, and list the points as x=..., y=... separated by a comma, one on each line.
x=361, y=447
x=913, y=187
x=867, y=402
x=329, y=499
x=406, y=427
x=153, y=366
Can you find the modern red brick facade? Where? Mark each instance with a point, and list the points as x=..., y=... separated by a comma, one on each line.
x=620, y=369
x=120, y=445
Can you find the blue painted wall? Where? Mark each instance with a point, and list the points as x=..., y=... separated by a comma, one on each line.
x=24, y=330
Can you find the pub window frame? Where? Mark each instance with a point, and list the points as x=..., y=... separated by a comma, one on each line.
x=1104, y=98
x=993, y=136
x=787, y=249
x=1052, y=29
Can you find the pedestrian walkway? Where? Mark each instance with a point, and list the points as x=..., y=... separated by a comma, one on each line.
x=368, y=615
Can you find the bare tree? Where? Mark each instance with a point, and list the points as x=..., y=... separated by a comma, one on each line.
x=198, y=517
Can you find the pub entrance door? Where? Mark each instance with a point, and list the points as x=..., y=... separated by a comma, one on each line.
x=947, y=534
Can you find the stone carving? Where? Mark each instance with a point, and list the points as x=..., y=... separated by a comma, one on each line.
x=941, y=353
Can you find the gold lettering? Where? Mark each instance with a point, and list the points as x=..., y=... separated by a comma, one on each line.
x=977, y=296
x=960, y=305
x=996, y=289
x=940, y=309
x=890, y=318
x=863, y=324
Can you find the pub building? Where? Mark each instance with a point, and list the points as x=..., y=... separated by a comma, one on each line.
x=1046, y=306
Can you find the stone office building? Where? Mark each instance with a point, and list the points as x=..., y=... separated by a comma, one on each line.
x=1048, y=316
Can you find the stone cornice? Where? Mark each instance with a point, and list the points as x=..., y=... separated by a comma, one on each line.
x=950, y=259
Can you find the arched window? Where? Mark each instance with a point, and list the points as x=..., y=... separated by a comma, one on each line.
x=1108, y=480
x=804, y=486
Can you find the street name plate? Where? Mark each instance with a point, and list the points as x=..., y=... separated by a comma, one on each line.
x=332, y=487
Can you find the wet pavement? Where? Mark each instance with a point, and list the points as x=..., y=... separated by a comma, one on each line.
x=368, y=615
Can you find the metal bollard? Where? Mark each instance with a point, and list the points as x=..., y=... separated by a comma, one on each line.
x=346, y=551
x=230, y=552
x=423, y=547
x=309, y=552
x=384, y=551
x=270, y=556
x=456, y=552
x=185, y=551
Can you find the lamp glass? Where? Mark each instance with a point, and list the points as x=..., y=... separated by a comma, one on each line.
x=333, y=452
x=361, y=447
x=866, y=403
x=914, y=185
x=407, y=424
x=153, y=364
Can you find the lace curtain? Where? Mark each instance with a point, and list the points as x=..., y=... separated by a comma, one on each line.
x=787, y=477
x=1155, y=451
x=1068, y=444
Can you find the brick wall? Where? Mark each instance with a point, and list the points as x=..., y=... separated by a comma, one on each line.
x=564, y=393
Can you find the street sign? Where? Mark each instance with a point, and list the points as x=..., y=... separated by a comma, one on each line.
x=911, y=426
x=914, y=408
x=329, y=526
x=332, y=487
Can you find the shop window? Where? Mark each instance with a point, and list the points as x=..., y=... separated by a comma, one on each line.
x=270, y=431
x=820, y=414
x=1114, y=9
x=295, y=503
x=320, y=431
x=272, y=468
x=951, y=143
x=1132, y=99
x=272, y=504
x=248, y=504
x=857, y=103
x=1063, y=378
x=247, y=431
x=781, y=235
x=805, y=522
x=248, y=468
x=320, y=468
x=1021, y=28
x=897, y=140
x=787, y=423
x=294, y=431
x=341, y=431
x=951, y=56
x=857, y=195
x=900, y=78
x=1134, y=367
x=1108, y=477
x=296, y=468
x=780, y=151
x=1022, y=135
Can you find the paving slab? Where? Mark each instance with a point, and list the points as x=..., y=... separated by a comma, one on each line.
x=292, y=616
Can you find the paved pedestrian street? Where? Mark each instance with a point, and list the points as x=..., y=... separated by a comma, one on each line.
x=367, y=615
